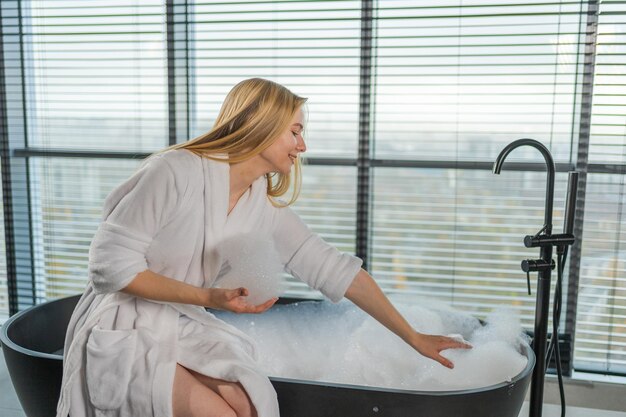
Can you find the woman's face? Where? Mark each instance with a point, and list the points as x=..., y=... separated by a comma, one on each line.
x=282, y=154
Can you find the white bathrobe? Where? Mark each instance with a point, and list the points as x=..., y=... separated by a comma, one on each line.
x=170, y=216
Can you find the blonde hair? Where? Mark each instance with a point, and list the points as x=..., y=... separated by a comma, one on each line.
x=254, y=114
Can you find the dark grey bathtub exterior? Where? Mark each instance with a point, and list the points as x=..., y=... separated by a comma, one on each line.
x=32, y=342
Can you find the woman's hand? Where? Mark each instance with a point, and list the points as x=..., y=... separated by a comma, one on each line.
x=431, y=346
x=234, y=300
x=365, y=293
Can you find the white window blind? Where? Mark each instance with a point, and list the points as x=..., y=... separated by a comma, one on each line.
x=327, y=205
x=452, y=83
x=459, y=80
x=96, y=74
x=601, y=314
x=4, y=287
x=312, y=47
x=95, y=78
x=456, y=235
x=67, y=196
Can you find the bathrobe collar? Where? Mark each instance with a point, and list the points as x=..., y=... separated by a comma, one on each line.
x=216, y=191
x=216, y=199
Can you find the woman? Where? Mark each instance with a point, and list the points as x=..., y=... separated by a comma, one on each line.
x=140, y=342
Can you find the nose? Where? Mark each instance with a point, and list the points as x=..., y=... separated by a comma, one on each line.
x=300, y=145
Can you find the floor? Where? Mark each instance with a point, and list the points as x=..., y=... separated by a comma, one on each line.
x=550, y=410
x=10, y=406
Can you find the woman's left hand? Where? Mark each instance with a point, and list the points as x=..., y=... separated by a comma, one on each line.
x=431, y=346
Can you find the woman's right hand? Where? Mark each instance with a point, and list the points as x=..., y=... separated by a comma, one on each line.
x=234, y=300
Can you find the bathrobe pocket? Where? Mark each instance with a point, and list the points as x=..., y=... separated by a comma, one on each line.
x=110, y=355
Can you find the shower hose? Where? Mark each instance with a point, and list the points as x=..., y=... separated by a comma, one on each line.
x=553, y=347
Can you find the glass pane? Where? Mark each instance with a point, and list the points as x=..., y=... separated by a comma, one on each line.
x=601, y=314
x=458, y=82
x=608, y=116
x=67, y=197
x=600, y=343
x=457, y=235
x=312, y=48
x=327, y=205
x=96, y=75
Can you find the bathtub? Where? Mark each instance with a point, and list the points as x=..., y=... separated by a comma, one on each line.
x=32, y=342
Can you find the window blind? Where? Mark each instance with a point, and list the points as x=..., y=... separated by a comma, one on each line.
x=4, y=287
x=456, y=235
x=94, y=79
x=460, y=80
x=327, y=205
x=96, y=74
x=68, y=195
x=452, y=83
x=13, y=134
x=609, y=90
x=312, y=47
x=456, y=82
x=601, y=315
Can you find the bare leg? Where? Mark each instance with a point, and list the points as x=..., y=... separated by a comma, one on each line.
x=191, y=398
x=232, y=392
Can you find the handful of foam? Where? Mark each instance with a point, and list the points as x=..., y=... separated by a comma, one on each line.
x=251, y=261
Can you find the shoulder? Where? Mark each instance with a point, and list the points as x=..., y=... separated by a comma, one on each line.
x=183, y=165
x=181, y=159
x=176, y=170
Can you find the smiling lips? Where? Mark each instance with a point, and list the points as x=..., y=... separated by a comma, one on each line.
x=293, y=158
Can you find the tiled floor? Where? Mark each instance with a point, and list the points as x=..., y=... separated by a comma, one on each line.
x=10, y=406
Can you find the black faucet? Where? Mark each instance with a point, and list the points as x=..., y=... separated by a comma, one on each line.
x=497, y=167
x=545, y=240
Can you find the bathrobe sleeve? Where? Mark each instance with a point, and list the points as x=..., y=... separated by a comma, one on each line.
x=309, y=258
x=133, y=213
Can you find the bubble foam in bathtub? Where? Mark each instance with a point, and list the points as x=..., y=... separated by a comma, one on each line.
x=339, y=343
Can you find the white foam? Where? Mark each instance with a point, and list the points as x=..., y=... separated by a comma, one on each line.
x=322, y=341
x=251, y=261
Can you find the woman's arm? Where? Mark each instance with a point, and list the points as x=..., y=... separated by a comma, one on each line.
x=150, y=285
x=365, y=293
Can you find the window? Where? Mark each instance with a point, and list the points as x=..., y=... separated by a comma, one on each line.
x=601, y=312
x=90, y=76
x=409, y=104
